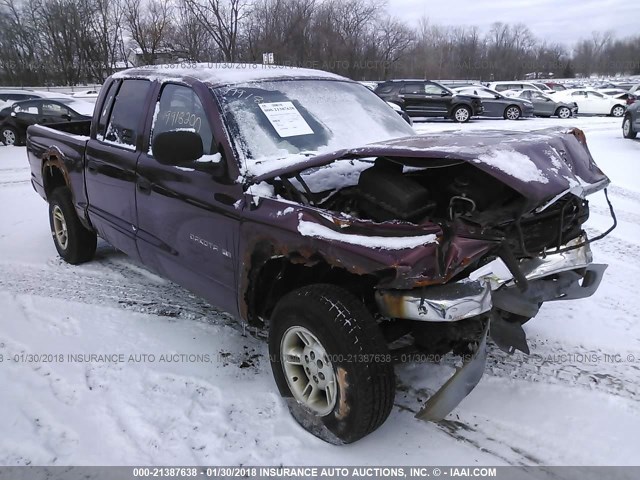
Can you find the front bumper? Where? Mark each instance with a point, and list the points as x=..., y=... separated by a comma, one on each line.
x=566, y=275
x=476, y=294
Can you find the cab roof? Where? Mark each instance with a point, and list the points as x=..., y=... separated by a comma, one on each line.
x=218, y=74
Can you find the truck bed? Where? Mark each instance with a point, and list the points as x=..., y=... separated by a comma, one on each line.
x=64, y=142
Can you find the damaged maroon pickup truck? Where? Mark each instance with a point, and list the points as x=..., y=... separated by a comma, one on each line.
x=301, y=203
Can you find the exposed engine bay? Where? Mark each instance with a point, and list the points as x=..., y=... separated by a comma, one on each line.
x=448, y=192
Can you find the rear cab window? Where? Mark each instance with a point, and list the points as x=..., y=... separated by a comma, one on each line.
x=125, y=114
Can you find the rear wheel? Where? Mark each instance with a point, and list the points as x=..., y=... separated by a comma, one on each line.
x=617, y=111
x=563, y=112
x=627, y=128
x=9, y=136
x=331, y=362
x=512, y=112
x=75, y=244
x=461, y=114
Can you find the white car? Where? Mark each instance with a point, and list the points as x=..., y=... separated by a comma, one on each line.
x=90, y=95
x=514, y=85
x=10, y=96
x=592, y=102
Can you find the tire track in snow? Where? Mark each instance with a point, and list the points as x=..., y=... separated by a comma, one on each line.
x=125, y=288
x=106, y=283
x=462, y=431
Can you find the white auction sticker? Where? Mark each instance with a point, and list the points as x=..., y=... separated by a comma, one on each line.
x=286, y=119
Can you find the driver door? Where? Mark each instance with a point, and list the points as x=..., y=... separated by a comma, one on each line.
x=543, y=104
x=436, y=99
x=598, y=103
x=187, y=223
x=415, y=101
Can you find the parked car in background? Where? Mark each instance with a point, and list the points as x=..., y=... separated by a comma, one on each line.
x=424, y=98
x=497, y=105
x=631, y=121
x=626, y=85
x=9, y=96
x=515, y=85
x=543, y=87
x=15, y=119
x=370, y=85
x=396, y=108
x=88, y=95
x=593, y=102
x=545, y=105
x=556, y=87
x=623, y=95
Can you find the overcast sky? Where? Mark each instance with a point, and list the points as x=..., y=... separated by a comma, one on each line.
x=563, y=21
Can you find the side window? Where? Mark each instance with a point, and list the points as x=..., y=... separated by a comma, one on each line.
x=483, y=93
x=54, y=110
x=431, y=89
x=27, y=107
x=501, y=88
x=413, y=88
x=126, y=113
x=180, y=108
x=384, y=89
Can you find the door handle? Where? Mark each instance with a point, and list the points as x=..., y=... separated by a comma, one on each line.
x=144, y=186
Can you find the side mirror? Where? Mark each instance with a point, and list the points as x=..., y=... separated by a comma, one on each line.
x=66, y=116
x=444, y=93
x=177, y=147
x=182, y=147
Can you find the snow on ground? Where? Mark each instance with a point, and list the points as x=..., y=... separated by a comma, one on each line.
x=207, y=395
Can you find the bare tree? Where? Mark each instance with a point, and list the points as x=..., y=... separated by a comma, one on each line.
x=222, y=20
x=149, y=23
x=393, y=40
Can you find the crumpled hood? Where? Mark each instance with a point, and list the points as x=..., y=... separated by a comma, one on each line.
x=540, y=165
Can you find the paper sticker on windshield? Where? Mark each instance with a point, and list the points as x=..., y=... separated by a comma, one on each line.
x=286, y=119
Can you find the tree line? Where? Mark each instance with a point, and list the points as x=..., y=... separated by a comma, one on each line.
x=71, y=42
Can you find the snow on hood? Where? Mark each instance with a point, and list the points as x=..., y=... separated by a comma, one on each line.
x=538, y=165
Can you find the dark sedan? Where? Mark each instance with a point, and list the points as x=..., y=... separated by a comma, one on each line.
x=546, y=105
x=425, y=98
x=15, y=119
x=497, y=105
x=631, y=122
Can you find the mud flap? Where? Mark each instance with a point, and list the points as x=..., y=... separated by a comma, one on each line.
x=458, y=386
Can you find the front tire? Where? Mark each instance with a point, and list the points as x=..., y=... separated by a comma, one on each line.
x=627, y=128
x=563, y=112
x=617, y=111
x=9, y=136
x=74, y=243
x=461, y=114
x=330, y=360
x=512, y=112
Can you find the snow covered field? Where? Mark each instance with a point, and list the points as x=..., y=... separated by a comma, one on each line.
x=574, y=401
